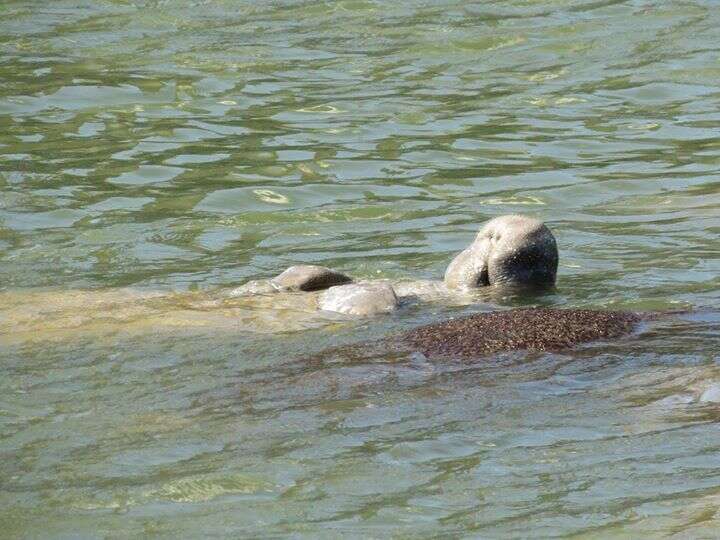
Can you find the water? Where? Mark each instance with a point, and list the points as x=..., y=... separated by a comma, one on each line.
x=154, y=154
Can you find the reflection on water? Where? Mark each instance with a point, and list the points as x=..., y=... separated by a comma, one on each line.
x=154, y=154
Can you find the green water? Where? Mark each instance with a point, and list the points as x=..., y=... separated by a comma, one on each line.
x=154, y=154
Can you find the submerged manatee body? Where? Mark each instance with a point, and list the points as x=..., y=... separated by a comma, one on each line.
x=538, y=329
x=483, y=335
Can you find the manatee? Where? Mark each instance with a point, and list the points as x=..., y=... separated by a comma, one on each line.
x=359, y=299
x=510, y=255
x=308, y=278
x=483, y=335
x=511, y=250
x=534, y=329
x=305, y=278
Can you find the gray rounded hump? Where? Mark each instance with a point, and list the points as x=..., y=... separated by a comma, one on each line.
x=360, y=299
x=512, y=249
x=308, y=277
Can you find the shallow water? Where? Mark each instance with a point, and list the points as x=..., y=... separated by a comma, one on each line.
x=156, y=153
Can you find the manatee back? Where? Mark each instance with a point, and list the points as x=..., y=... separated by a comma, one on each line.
x=538, y=329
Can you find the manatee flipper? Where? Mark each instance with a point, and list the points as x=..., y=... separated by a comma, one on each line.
x=304, y=277
x=361, y=299
x=309, y=277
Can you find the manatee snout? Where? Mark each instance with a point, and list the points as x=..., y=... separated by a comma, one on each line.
x=513, y=249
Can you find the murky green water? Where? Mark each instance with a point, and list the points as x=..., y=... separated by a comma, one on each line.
x=156, y=153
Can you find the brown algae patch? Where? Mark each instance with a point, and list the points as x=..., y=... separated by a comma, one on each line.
x=538, y=329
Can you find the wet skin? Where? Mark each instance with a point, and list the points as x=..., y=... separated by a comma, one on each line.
x=511, y=250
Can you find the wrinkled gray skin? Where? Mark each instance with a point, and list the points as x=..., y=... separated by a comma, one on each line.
x=512, y=250
x=508, y=250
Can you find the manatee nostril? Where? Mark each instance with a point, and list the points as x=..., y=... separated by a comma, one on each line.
x=483, y=279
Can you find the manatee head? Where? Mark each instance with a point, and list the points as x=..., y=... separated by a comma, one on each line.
x=512, y=250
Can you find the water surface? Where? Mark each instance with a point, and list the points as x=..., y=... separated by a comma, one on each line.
x=156, y=153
